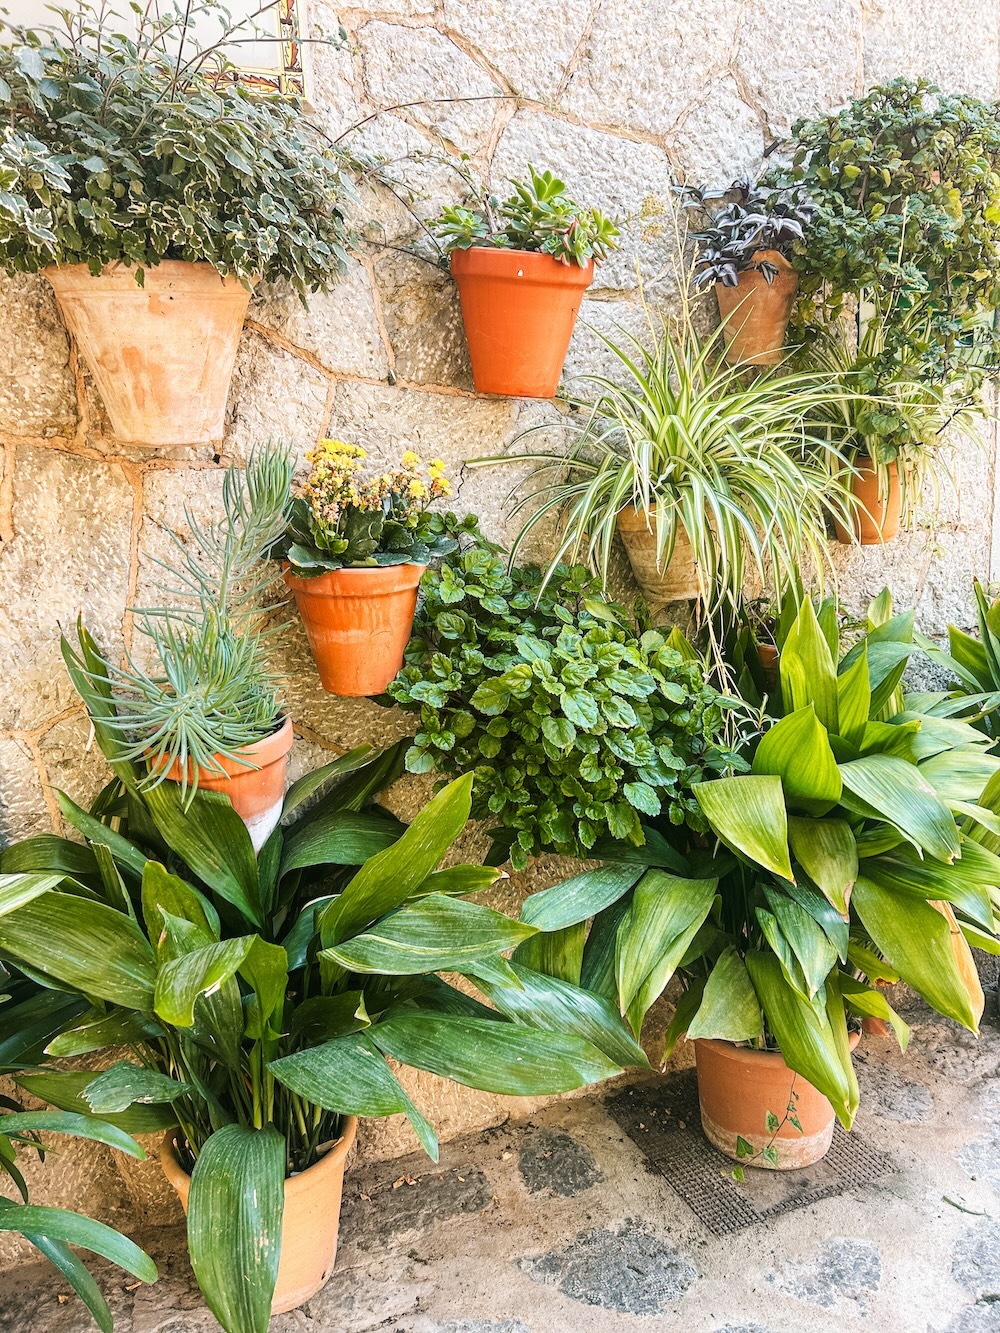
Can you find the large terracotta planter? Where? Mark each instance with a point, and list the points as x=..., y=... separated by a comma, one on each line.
x=358, y=622
x=737, y=1087
x=678, y=582
x=257, y=788
x=310, y=1223
x=162, y=355
x=876, y=518
x=755, y=315
x=519, y=310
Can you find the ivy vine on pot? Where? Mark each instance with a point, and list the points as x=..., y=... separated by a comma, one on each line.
x=522, y=265
x=153, y=194
x=354, y=550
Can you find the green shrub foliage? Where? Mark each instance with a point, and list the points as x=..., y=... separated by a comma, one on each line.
x=575, y=726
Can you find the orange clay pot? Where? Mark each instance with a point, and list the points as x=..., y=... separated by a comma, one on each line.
x=519, y=310
x=755, y=316
x=770, y=663
x=162, y=355
x=310, y=1223
x=876, y=520
x=738, y=1086
x=257, y=788
x=358, y=622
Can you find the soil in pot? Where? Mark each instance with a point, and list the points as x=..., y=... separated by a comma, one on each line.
x=310, y=1223
x=519, y=310
x=876, y=519
x=358, y=622
x=678, y=582
x=162, y=354
x=257, y=788
x=738, y=1087
x=755, y=314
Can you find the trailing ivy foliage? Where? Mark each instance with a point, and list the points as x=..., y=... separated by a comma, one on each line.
x=140, y=149
x=906, y=187
x=574, y=726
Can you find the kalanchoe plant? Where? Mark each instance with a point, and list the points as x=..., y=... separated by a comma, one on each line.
x=575, y=726
x=140, y=148
x=339, y=519
x=737, y=223
x=538, y=216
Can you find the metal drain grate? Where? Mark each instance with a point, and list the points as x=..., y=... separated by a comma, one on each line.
x=664, y=1121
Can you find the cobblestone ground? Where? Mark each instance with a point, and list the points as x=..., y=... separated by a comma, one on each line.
x=557, y=1224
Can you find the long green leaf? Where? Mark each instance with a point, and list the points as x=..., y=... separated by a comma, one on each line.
x=307, y=786
x=77, y=1275
x=808, y=673
x=235, y=1208
x=126, y=854
x=387, y=880
x=118, y=1088
x=808, y=941
x=496, y=1057
x=73, y=1229
x=797, y=751
x=49, y=854
x=65, y=1089
x=748, y=814
x=578, y=898
x=181, y=981
x=79, y=1126
x=729, y=1009
x=340, y=838
x=888, y=788
x=827, y=851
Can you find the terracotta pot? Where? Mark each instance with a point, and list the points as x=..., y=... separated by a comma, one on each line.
x=519, y=310
x=678, y=582
x=738, y=1086
x=358, y=622
x=876, y=520
x=257, y=792
x=755, y=316
x=770, y=661
x=310, y=1223
x=162, y=354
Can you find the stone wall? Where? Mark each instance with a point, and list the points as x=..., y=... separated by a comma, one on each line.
x=622, y=98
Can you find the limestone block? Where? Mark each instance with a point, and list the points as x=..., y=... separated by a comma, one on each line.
x=169, y=497
x=644, y=61
x=423, y=319
x=421, y=65
x=625, y=179
x=330, y=73
x=339, y=327
x=719, y=139
x=801, y=65
x=932, y=39
x=70, y=553
x=588, y=354
x=275, y=396
x=37, y=390
x=73, y=759
x=530, y=44
x=22, y=805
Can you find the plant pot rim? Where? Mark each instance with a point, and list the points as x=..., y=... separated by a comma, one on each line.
x=729, y=1050
x=348, y=574
x=268, y=750
x=507, y=257
x=199, y=272
x=333, y=1157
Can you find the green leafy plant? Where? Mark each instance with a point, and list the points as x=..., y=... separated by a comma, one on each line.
x=538, y=216
x=211, y=691
x=574, y=726
x=53, y=1230
x=974, y=694
x=737, y=223
x=141, y=148
x=861, y=847
x=905, y=182
x=339, y=520
x=259, y=999
x=743, y=468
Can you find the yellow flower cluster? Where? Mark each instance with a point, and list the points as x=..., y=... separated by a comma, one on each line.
x=333, y=484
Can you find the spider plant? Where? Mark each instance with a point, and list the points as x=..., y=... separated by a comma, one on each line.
x=738, y=465
x=210, y=691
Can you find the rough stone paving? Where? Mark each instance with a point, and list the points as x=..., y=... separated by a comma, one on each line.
x=622, y=98
x=558, y=1224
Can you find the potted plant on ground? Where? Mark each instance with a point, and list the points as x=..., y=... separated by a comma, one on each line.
x=260, y=997
x=354, y=552
x=53, y=1230
x=578, y=727
x=522, y=265
x=153, y=190
x=854, y=851
x=207, y=714
x=745, y=247
x=707, y=478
